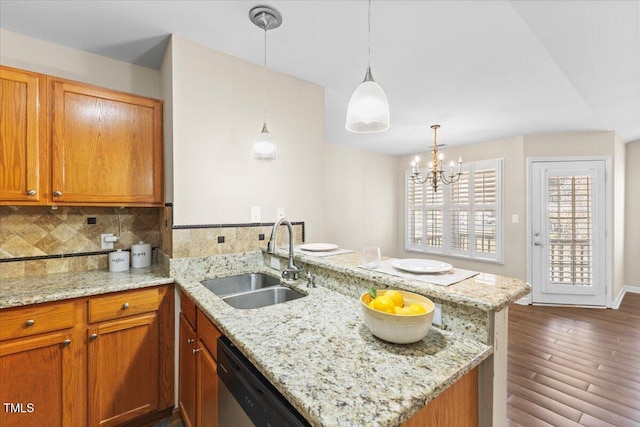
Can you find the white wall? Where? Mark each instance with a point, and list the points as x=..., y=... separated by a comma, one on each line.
x=632, y=215
x=166, y=90
x=361, y=198
x=28, y=53
x=217, y=113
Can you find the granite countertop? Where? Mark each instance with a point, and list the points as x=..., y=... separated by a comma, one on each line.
x=488, y=292
x=319, y=354
x=55, y=287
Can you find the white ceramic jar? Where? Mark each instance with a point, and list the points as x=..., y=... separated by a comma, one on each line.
x=141, y=255
x=118, y=261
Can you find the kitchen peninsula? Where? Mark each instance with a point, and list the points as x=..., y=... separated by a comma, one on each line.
x=319, y=354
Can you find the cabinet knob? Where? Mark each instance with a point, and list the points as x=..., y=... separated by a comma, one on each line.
x=125, y=305
x=190, y=340
x=30, y=322
x=66, y=342
x=57, y=193
x=93, y=337
x=195, y=350
x=31, y=192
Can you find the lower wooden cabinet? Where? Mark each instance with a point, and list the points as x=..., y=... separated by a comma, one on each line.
x=187, y=373
x=198, y=382
x=37, y=380
x=207, y=394
x=78, y=373
x=457, y=406
x=123, y=370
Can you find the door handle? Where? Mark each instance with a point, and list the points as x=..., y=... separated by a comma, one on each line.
x=537, y=244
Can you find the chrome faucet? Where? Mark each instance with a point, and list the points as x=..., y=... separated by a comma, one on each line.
x=291, y=272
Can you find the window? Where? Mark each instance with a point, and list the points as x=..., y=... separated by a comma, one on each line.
x=462, y=219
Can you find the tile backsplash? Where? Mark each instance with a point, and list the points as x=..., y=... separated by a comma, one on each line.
x=199, y=242
x=39, y=240
x=39, y=231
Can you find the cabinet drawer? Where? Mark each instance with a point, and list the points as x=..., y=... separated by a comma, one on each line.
x=123, y=304
x=36, y=319
x=208, y=334
x=188, y=308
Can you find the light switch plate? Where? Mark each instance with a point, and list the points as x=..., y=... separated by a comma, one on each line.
x=515, y=219
x=255, y=214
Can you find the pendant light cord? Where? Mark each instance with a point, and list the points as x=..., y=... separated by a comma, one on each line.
x=369, y=33
x=265, y=74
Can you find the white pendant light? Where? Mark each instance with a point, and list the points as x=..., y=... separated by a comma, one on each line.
x=368, y=110
x=264, y=146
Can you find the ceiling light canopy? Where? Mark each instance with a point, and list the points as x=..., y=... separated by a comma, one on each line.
x=265, y=146
x=368, y=110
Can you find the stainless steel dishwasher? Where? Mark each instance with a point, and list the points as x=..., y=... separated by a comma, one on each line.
x=246, y=397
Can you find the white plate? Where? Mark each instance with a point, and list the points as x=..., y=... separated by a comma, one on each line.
x=422, y=266
x=318, y=247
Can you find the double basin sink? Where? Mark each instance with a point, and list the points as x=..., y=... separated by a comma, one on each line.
x=251, y=290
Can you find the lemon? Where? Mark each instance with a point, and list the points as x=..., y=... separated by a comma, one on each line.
x=396, y=297
x=371, y=304
x=403, y=311
x=384, y=303
x=417, y=308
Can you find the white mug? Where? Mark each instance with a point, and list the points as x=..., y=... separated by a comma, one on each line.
x=371, y=257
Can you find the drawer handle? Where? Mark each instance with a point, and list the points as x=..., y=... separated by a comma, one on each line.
x=125, y=305
x=195, y=350
x=57, y=193
x=66, y=342
x=31, y=192
x=93, y=337
x=30, y=322
x=190, y=340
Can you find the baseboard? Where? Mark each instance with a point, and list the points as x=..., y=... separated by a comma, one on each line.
x=627, y=288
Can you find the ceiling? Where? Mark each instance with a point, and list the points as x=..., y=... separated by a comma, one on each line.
x=483, y=70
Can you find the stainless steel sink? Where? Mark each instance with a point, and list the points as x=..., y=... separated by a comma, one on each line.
x=263, y=297
x=251, y=290
x=224, y=286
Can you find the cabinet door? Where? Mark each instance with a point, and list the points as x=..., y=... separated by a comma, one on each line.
x=22, y=136
x=187, y=380
x=106, y=147
x=123, y=370
x=37, y=381
x=207, y=388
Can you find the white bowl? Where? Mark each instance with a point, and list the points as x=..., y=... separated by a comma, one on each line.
x=397, y=328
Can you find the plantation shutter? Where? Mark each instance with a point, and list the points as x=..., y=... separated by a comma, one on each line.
x=484, y=201
x=570, y=233
x=460, y=219
x=459, y=211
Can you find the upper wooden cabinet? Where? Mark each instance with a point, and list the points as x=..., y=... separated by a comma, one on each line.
x=106, y=146
x=92, y=146
x=23, y=134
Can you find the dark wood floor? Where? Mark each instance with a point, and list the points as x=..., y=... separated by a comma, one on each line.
x=574, y=366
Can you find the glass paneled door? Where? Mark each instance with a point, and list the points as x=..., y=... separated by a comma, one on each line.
x=568, y=209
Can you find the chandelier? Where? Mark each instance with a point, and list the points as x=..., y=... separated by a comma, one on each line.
x=435, y=175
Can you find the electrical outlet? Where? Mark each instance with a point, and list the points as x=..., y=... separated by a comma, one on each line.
x=106, y=241
x=280, y=213
x=275, y=263
x=515, y=219
x=437, y=314
x=255, y=214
